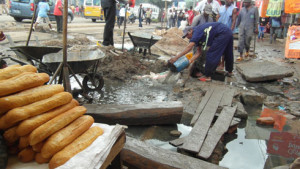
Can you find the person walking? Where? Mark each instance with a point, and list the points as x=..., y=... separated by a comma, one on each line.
x=191, y=15
x=44, y=8
x=215, y=39
x=58, y=13
x=122, y=15
x=148, y=16
x=247, y=22
x=180, y=17
x=3, y=7
x=275, y=28
x=228, y=14
x=215, y=7
x=170, y=18
x=261, y=29
x=141, y=13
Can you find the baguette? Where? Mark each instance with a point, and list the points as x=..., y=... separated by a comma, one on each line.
x=40, y=160
x=26, y=155
x=21, y=113
x=10, y=72
x=11, y=66
x=28, y=96
x=38, y=147
x=55, y=124
x=81, y=143
x=65, y=136
x=10, y=136
x=28, y=125
x=23, y=142
x=21, y=82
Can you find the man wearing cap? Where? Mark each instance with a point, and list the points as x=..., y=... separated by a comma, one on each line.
x=215, y=7
x=247, y=22
x=215, y=39
x=204, y=17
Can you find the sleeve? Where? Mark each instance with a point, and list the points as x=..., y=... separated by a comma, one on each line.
x=197, y=36
x=238, y=21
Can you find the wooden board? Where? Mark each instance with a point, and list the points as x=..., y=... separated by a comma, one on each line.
x=216, y=132
x=114, y=152
x=196, y=137
x=138, y=154
x=137, y=114
x=201, y=106
x=227, y=97
x=179, y=141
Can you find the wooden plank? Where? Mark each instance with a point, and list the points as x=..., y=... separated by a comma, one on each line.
x=196, y=137
x=180, y=141
x=115, y=150
x=227, y=97
x=201, y=106
x=140, y=154
x=216, y=132
x=137, y=114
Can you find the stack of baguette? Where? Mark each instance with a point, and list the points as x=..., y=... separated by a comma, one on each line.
x=42, y=122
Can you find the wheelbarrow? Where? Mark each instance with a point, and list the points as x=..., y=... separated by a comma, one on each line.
x=143, y=41
x=83, y=62
x=34, y=55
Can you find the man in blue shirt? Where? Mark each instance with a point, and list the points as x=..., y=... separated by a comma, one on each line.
x=215, y=39
x=43, y=14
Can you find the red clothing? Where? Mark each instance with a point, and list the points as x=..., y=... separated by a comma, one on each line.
x=191, y=16
x=57, y=11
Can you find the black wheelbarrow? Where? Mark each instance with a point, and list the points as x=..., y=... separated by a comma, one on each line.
x=143, y=41
x=84, y=63
x=34, y=55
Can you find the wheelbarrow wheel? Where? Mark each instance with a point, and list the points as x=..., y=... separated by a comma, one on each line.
x=93, y=81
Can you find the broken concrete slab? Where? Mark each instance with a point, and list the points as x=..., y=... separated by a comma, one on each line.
x=252, y=98
x=263, y=71
x=240, y=111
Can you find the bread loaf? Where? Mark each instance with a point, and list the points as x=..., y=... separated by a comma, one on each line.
x=10, y=136
x=40, y=160
x=81, y=143
x=13, y=71
x=38, y=147
x=23, y=142
x=26, y=155
x=65, y=136
x=22, y=82
x=28, y=125
x=55, y=124
x=13, y=150
x=28, y=96
x=21, y=113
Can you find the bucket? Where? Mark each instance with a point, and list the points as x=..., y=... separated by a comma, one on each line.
x=181, y=63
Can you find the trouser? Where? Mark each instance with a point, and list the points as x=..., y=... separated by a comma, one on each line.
x=222, y=45
x=110, y=15
x=59, y=23
x=245, y=37
x=274, y=33
x=285, y=29
x=3, y=8
x=121, y=20
x=260, y=32
x=140, y=22
x=179, y=23
x=148, y=20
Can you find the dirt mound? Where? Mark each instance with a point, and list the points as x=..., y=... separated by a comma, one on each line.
x=172, y=42
x=71, y=42
x=124, y=65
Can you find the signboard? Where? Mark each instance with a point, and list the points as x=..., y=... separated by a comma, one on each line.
x=292, y=47
x=292, y=6
x=274, y=8
x=284, y=144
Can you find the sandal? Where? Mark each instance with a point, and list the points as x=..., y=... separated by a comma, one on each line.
x=247, y=54
x=229, y=74
x=198, y=74
x=239, y=59
x=205, y=79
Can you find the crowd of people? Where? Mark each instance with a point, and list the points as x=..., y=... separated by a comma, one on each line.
x=210, y=28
